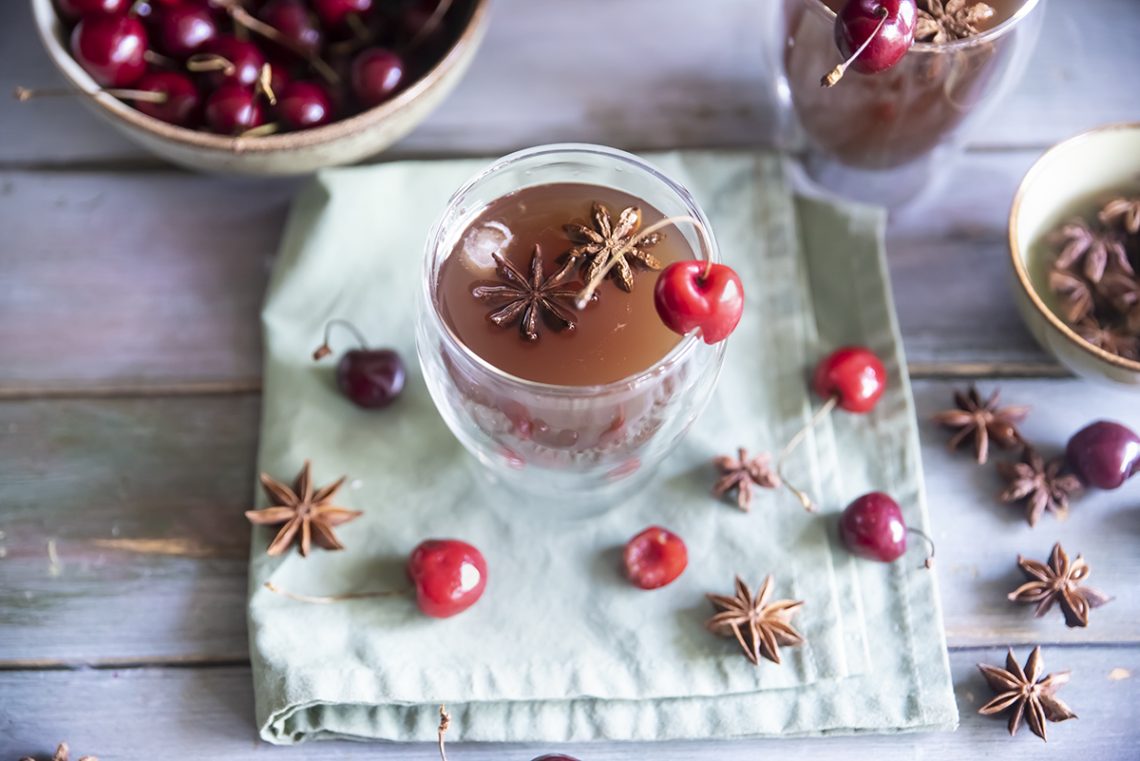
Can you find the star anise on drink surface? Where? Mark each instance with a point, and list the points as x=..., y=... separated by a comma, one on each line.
x=1042, y=486
x=1126, y=210
x=760, y=627
x=61, y=754
x=1058, y=582
x=741, y=473
x=1075, y=295
x=942, y=21
x=597, y=246
x=307, y=513
x=983, y=421
x=1112, y=338
x=1096, y=250
x=530, y=299
x=1026, y=693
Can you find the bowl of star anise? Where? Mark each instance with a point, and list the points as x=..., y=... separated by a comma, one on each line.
x=1074, y=239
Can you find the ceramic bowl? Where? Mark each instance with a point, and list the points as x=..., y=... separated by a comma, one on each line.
x=1075, y=170
x=342, y=142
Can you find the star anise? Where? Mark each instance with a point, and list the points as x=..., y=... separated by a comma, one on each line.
x=1076, y=297
x=1096, y=249
x=598, y=245
x=941, y=21
x=1040, y=485
x=1060, y=582
x=1026, y=693
x=983, y=421
x=303, y=511
x=1112, y=338
x=61, y=754
x=741, y=473
x=760, y=627
x=1122, y=292
x=1127, y=210
x=526, y=300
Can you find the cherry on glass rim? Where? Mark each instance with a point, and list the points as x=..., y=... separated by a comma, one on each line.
x=872, y=35
x=853, y=375
x=695, y=295
x=654, y=558
x=449, y=576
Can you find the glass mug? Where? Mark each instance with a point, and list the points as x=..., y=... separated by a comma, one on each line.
x=878, y=137
x=577, y=449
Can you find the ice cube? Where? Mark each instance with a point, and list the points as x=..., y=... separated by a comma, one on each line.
x=481, y=243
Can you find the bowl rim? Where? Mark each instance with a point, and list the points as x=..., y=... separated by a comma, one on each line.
x=46, y=16
x=1020, y=270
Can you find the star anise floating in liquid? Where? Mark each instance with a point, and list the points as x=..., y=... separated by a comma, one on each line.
x=1024, y=692
x=530, y=299
x=307, y=514
x=1058, y=582
x=1042, y=486
x=739, y=474
x=597, y=246
x=760, y=627
x=62, y=753
x=982, y=421
x=941, y=21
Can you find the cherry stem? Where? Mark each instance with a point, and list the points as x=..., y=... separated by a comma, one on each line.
x=429, y=27
x=587, y=293
x=244, y=19
x=929, y=562
x=261, y=130
x=327, y=599
x=791, y=446
x=357, y=27
x=323, y=350
x=265, y=84
x=200, y=62
x=159, y=60
x=24, y=94
x=832, y=78
x=444, y=723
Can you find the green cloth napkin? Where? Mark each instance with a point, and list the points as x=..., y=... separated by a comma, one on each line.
x=561, y=647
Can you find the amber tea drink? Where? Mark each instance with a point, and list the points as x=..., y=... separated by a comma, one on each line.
x=544, y=352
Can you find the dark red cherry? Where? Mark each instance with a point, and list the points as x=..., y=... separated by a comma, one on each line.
x=245, y=57
x=885, y=26
x=110, y=49
x=77, y=9
x=1104, y=454
x=372, y=378
x=295, y=22
x=654, y=558
x=872, y=527
x=335, y=13
x=232, y=109
x=853, y=375
x=376, y=75
x=449, y=576
x=182, y=30
x=302, y=105
x=695, y=295
x=183, y=105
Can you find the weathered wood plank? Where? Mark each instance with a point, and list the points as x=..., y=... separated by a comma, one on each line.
x=685, y=78
x=123, y=539
x=208, y=713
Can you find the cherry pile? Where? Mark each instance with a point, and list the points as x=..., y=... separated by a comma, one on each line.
x=254, y=67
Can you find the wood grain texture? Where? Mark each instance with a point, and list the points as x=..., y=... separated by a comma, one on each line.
x=640, y=73
x=147, y=714
x=124, y=540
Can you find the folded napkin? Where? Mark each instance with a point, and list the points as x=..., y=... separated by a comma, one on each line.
x=561, y=647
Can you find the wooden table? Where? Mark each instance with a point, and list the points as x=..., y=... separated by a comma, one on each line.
x=129, y=378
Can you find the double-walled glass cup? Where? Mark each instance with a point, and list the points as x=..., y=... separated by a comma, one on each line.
x=879, y=137
x=579, y=449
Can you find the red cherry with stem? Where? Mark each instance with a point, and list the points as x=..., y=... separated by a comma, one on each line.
x=371, y=378
x=872, y=35
x=302, y=105
x=295, y=22
x=654, y=558
x=77, y=9
x=228, y=60
x=376, y=75
x=872, y=527
x=183, y=30
x=854, y=376
x=232, y=109
x=183, y=103
x=449, y=576
x=702, y=296
x=1104, y=454
x=110, y=49
x=335, y=14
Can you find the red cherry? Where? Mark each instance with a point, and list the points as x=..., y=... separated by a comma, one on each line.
x=335, y=13
x=183, y=102
x=184, y=29
x=1104, y=454
x=302, y=105
x=376, y=75
x=449, y=576
x=77, y=9
x=247, y=60
x=110, y=49
x=885, y=26
x=371, y=378
x=700, y=296
x=873, y=527
x=655, y=557
x=232, y=109
x=295, y=22
x=853, y=375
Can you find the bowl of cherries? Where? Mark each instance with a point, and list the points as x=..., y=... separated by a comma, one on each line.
x=262, y=86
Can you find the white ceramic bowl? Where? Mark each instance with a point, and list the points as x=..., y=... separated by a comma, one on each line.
x=1083, y=166
x=342, y=142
